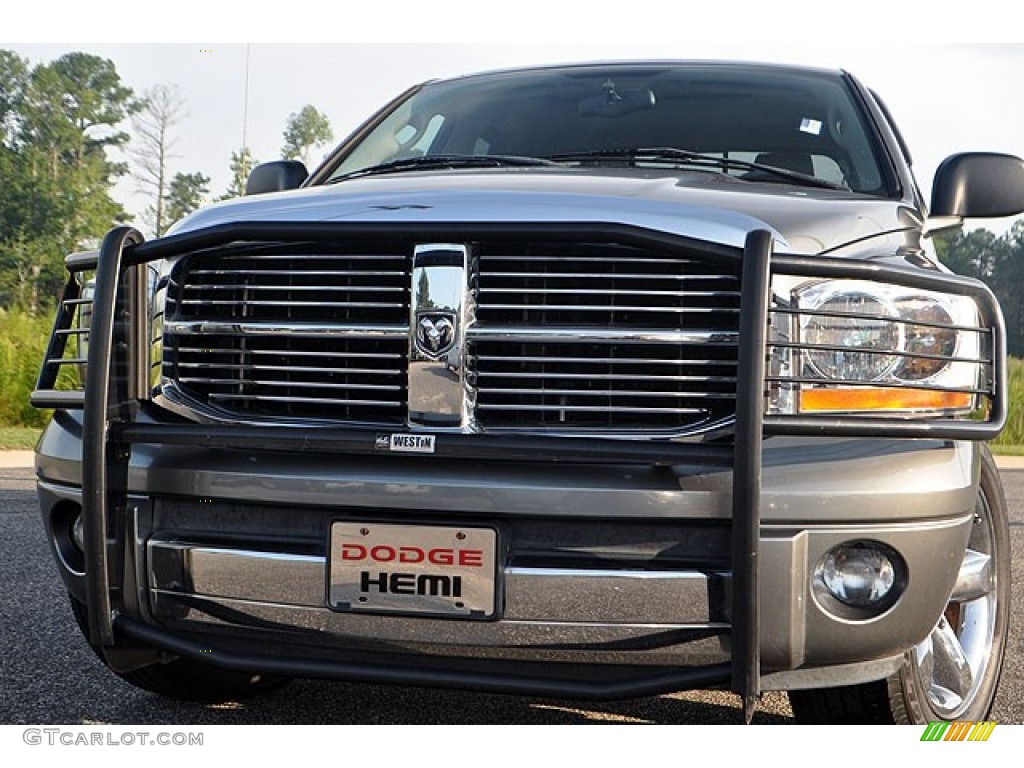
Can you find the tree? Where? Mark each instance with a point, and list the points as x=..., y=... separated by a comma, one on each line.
x=14, y=195
x=79, y=98
x=242, y=162
x=13, y=81
x=58, y=122
x=305, y=131
x=185, y=193
x=975, y=253
x=1006, y=281
x=999, y=262
x=72, y=109
x=162, y=108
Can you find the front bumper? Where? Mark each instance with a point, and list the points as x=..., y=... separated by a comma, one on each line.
x=624, y=567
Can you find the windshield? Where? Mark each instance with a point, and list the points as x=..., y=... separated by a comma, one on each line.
x=803, y=122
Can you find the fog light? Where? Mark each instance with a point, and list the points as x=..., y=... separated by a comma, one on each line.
x=78, y=532
x=859, y=574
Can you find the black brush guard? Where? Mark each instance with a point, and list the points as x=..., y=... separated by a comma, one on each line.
x=114, y=384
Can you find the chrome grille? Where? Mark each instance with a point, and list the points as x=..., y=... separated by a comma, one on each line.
x=316, y=378
x=603, y=337
x=365, y=285
x=560, y=337
x=607, y=286
x=277, y=332
x=605, y=386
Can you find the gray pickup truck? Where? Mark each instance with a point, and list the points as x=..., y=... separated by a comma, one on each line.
x=596, y=381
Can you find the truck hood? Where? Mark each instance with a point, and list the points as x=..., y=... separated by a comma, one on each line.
x=707, y=206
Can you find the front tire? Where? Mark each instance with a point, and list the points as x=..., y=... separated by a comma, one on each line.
x=953, y=674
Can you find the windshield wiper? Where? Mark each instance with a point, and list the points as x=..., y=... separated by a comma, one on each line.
x=674, y=155
x=433, y=162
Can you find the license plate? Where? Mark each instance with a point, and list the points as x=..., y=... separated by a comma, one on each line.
x=412, y=569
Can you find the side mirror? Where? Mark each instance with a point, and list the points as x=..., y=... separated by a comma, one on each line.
x=275, y=177
x=978, y=184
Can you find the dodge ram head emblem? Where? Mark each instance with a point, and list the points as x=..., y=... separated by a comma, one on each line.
x=435, y=333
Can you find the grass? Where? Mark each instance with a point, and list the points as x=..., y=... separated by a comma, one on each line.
x=1007, y=450
x=23, y=339
x=1011, y=441
x=18, y=438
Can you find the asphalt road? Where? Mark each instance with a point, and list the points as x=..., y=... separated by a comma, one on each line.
x=48, y=675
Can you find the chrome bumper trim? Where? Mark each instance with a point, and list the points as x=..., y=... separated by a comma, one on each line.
x=647, y=597
x=589, y=615
x=546, y=595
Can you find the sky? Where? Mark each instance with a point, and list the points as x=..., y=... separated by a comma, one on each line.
x=946, y=97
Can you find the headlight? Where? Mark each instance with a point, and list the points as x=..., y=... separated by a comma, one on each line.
x=931, y=338
x=850, y=337
x=853, y=345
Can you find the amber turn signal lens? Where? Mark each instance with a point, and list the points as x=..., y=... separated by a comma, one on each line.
x=882, y=399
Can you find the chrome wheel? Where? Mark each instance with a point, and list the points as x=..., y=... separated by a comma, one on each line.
x=953, y=659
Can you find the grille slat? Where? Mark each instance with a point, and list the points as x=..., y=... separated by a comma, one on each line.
x=618, y=377
x=297, y=288
x=604, y=276
x=314, y=401
x=594, y=360
x=257, y=303
x=565, y=257
x=305, y=273
x=604, y=308
x=605, y=393
x=301, y=354
x=630, y=409
x=621, y=292
x=200, y=328
x=262, y=383
x=526, y=334
x=291, y=254
x=292, y=369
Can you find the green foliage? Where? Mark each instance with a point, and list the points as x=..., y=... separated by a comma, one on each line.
x=13, y=80
x=185, y=194
x=304, y=132
x=974, y=254
x=57, y=122
x=1013, y=434
x=19, y=438
x=242, y=162
x=999, y=262
x=23, y=339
